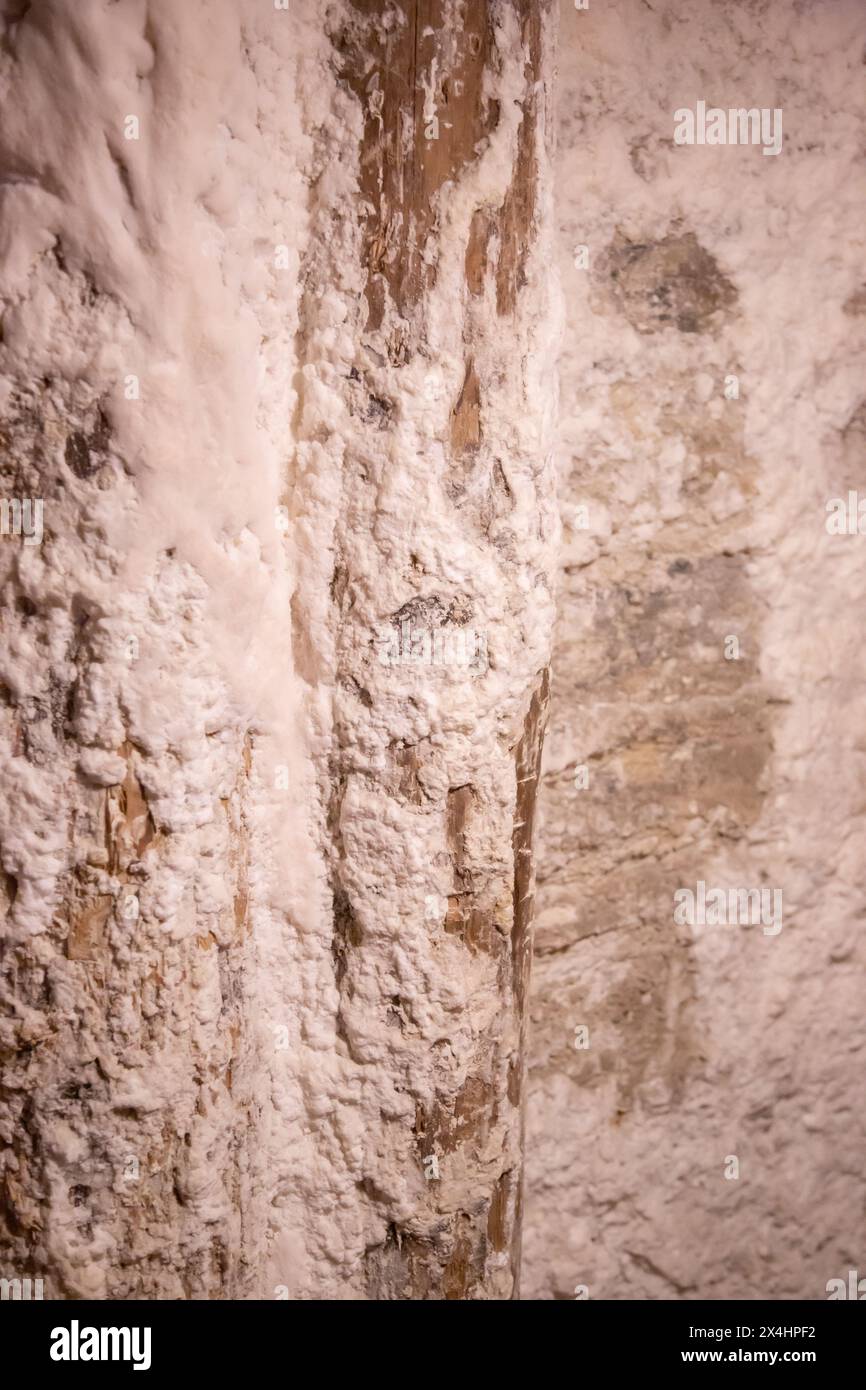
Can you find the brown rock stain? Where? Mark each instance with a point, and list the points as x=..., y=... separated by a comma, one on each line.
x=528, y=768
x=466, y=415
x=670, y=283
x=406, y=158
x=519, y=209
x=480, y=232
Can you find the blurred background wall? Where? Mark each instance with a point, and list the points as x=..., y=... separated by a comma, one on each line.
x=712, y=405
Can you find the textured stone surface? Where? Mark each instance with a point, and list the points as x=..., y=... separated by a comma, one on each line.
x=278, y=359
x=704, y=519
x=267, y=881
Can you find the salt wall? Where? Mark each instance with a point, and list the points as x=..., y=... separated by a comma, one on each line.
x=277, y=390
x=277, y=407
x=696, y=1118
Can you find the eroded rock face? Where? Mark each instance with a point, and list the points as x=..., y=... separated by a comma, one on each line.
x=672, y=282
x=445, y=500
x=287, y=402
x=703, y=431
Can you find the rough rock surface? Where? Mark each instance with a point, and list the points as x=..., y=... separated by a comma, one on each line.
x=692, y=516
x=267, y=882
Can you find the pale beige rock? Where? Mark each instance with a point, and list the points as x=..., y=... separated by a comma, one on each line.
x=284, y=385
x=705, y=519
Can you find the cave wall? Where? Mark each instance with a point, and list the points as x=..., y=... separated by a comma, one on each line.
x=694, y=511
x=277, y=359
x=276, y=363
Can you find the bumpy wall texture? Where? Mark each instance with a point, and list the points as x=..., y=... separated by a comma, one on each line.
x=276, y=359
x=705, y=520
x=280, y=317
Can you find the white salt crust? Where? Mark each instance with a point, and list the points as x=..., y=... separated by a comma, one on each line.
x=216, y=259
